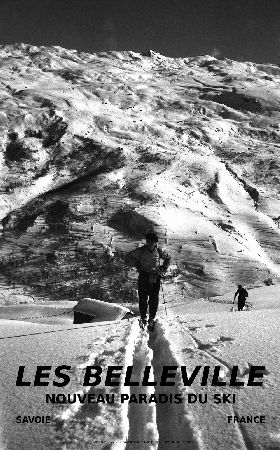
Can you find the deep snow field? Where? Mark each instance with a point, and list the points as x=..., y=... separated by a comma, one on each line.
x=203, y=333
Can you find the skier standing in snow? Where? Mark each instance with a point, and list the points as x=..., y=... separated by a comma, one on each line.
x=146, y=259
x=242, y=294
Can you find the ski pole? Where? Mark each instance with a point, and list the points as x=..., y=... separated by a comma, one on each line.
x=164, y=302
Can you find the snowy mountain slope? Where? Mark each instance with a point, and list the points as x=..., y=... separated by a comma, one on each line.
x=98, y=149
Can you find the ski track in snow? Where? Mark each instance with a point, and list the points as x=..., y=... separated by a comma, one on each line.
x=142, y=420
x=147, y=425
x=141, y=425
x=159, y=425
x=175, y=423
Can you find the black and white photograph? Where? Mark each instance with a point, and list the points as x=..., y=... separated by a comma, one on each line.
x=140, y=224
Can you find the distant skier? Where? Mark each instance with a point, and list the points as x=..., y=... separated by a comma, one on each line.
x=242, y=294
x=146, y=259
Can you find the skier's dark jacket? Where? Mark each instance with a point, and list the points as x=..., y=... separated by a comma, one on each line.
x=242, y=294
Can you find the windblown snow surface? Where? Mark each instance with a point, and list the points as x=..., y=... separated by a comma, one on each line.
x=96, y=150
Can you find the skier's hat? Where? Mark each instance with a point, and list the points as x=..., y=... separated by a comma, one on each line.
x=151, y=237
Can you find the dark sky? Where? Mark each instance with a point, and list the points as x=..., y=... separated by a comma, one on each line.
x=237, y=29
